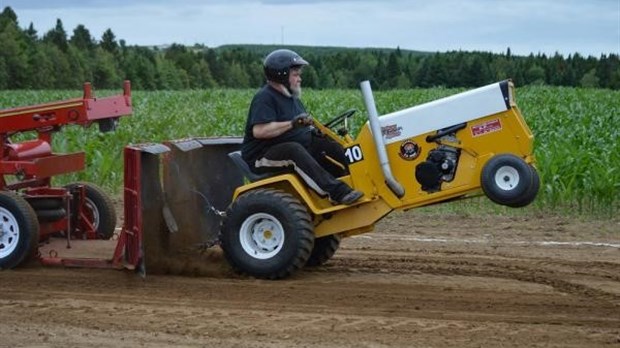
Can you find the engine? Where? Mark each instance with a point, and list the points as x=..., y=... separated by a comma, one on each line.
x=440, y=165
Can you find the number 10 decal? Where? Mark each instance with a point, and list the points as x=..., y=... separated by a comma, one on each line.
x=354, y=154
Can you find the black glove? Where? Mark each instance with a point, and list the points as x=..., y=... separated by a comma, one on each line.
x=302, y=120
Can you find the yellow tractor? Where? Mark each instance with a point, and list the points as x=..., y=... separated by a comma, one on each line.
x=468, y=144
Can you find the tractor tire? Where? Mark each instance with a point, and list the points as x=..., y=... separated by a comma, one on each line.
x=529, y=196
x=19, y=230
x=324, y=249
x=100, y=209
x=508, y=180
x=267, y=234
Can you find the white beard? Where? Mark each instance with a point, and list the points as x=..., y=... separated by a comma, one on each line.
x=296, y=92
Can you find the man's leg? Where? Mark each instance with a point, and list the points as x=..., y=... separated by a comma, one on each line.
x=294, y=155
x=330, y=155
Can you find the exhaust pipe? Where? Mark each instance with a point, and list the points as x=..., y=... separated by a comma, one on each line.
x=377, y=135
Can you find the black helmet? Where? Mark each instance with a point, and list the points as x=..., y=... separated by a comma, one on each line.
x=278, y=64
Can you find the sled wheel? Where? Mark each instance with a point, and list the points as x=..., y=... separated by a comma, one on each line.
x=506, y=179
x=99, y=212
x=324, y=249
x=19, y=230
x=529, y=196
x=267, y=234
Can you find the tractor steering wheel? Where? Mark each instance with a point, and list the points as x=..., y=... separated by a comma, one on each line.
x=340, y=118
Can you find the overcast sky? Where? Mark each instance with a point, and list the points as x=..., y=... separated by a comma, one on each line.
x=590, y=27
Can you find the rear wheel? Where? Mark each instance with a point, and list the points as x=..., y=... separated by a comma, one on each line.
x=508, y=180
x=19, y=230
x=267, y=234
x=324, y=249
x=98, y=212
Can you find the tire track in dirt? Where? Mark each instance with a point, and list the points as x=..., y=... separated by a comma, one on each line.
x=537, y=271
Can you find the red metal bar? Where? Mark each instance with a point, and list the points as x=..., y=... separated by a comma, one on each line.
x=44, y=167
x=78, y=262
x=129, y=248
x=46, y=117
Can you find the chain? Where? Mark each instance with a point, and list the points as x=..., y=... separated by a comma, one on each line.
x=210, y=206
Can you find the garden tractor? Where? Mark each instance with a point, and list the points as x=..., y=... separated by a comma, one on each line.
x=468, y=144
x=184, y=196
x=31, y=208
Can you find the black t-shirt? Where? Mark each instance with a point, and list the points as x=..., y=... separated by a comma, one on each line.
x=269, y=105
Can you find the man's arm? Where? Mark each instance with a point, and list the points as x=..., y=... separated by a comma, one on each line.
x=271, y=129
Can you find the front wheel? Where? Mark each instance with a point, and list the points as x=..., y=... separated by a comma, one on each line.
x=19, y=230
x=267, y=234
x=508, y=180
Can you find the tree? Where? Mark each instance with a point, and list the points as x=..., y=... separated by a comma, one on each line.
x=589, y=80
x=104, y=69
x=41, y=68
x=79, y=63
x=14, y=54
x=7, y=16
x=200, y=75
x=365, y=69
x=310, y=77
x=4, y=76
x=61, y=70
x=393, y=67
x=31, y=33
x=82, y=39
x=237, y=77
x=138, y=65
x=108, y=42
x=170, y=77
x=535, y=75
x=57, y=36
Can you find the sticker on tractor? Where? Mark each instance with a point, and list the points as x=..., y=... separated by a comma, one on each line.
x=354, y=154
x=391, y=131
x=486, y=128
x=409, y=150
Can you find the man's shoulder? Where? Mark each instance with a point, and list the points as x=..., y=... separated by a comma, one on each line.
x=268, y=94
x=264, y=93
x=267, y=90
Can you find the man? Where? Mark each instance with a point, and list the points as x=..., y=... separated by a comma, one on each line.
x=279, y=133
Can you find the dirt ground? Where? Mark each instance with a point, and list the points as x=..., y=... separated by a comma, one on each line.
x=419, y=280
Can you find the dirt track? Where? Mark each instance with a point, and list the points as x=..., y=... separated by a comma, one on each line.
x=419, y=280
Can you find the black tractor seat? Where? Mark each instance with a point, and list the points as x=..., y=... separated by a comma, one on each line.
x=235, y=156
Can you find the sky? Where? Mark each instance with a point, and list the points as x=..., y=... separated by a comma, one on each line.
x=587, y=27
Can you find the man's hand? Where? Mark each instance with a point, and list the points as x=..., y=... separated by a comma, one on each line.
x=302, y=120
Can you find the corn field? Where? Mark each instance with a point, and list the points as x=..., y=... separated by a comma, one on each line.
x=577, y=133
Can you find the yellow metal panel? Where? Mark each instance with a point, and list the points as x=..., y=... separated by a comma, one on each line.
x=352, y=218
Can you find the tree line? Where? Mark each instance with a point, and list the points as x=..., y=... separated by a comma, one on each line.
x=58, y=60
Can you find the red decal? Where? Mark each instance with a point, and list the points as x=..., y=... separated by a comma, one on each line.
x=486, y=128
